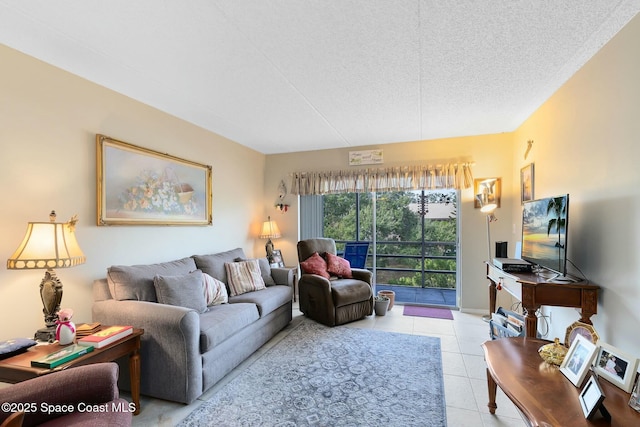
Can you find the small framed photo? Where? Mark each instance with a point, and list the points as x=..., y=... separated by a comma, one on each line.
x=526, y=183
x=276, y=259
x=591, y=397
x=578, y=360
x=616, y=366
x=634, y=401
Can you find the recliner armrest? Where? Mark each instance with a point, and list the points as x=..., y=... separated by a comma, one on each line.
x=91, y=384
x=362, y=274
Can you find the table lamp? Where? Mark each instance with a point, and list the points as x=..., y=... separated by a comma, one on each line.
x=47, y=245
x=270, y=231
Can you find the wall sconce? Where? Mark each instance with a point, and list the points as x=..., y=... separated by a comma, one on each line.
x=47, y=245
x=282, y=207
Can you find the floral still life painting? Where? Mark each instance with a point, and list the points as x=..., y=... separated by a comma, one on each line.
x=142, y=186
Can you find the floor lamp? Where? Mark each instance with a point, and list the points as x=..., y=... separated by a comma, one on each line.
x=488, y=206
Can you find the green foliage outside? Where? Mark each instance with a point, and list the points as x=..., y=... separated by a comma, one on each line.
x=399, y=233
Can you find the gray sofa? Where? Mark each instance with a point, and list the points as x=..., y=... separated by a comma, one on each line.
x=185, y=352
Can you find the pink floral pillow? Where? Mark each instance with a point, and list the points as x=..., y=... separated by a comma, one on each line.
x=338, y=266
x=315, y=264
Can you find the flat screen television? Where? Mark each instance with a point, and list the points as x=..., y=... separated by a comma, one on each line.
x=544, y=234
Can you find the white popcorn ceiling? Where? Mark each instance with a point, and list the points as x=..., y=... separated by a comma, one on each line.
x=294, y=75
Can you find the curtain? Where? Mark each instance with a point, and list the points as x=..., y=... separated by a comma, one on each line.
x=427, y=177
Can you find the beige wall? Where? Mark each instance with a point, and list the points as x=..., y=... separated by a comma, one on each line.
x=48, y=122
x=587, y=144
x=493, y=156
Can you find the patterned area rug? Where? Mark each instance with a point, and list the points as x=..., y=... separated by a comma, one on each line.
x=341, y=376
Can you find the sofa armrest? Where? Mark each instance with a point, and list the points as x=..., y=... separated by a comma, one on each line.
x=91, y=384
x=170, y=345
x=283, y=276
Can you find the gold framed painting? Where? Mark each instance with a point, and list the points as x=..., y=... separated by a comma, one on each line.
x=526, y=183
x=139, y=186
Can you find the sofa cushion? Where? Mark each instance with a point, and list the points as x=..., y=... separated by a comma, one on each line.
x=267, y=300
x=222, y=321
x=215, y=292
x=213, y=264
x=244, y=276
x=265, y=270
x=315, y=264
x=183, y=291
x=338, y=266
x=135, y=282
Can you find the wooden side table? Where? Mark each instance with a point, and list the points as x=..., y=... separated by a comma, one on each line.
x=18, y=368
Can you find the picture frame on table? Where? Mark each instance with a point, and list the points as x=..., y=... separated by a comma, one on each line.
x=580, y=328
x=276, y=259
x=526, y=183
x=577, y=362
x=616, y=366
x=591, y=398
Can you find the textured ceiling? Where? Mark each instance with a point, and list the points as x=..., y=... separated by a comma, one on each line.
x=294, y=75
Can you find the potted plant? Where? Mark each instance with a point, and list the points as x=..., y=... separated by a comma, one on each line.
x=389, y=294
x=381, y=305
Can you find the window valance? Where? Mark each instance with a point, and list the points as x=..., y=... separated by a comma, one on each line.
x=402, y=178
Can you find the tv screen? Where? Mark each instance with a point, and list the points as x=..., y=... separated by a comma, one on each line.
x=544, y=233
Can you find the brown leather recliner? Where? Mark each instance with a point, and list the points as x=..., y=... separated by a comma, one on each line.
x=336, y=301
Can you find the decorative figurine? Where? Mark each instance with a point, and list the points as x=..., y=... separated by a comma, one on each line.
x=65, y=329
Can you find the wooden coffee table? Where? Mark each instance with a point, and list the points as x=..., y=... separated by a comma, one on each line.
x=541, y=392
x=18, y=368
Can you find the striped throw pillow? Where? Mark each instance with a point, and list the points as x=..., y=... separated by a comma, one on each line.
x=243, y=277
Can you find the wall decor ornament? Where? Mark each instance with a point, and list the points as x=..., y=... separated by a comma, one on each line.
x=139, y=186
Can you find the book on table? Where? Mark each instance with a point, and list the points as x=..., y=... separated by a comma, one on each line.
x=61, y=356
x=106, y=336
x=84, y=329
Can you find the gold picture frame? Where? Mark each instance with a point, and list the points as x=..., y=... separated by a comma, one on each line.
x=527, y=190
x=580, y=328
x=139, y=186
x=492, y=187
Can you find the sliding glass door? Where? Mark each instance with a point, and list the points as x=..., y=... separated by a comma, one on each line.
x=413, y=238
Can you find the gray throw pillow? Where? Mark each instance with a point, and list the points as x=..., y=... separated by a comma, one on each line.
x=213, y=264
x=185, y=291
x=135, y=282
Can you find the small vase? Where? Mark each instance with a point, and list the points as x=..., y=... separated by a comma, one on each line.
x=389, y=294
x=381, y=305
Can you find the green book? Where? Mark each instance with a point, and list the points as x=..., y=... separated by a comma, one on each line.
x=61, y=356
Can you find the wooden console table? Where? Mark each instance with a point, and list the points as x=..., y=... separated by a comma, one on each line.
x=541, y=392
x=18, y=368
x=534, y=291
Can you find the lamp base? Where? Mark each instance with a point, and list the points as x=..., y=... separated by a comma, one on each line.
x=47, y=334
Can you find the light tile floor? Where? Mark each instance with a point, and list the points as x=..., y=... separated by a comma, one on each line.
x=462, y=360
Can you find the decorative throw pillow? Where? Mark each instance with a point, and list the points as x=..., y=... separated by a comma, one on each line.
x=215, y=292
x=243, y=277
x=184, y=291
x=338, y=266
x=315, y=264
x=265, y=270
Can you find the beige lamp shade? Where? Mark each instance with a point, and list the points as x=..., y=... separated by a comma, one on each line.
x=47, y=245
x=270, y=230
